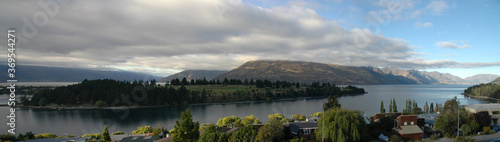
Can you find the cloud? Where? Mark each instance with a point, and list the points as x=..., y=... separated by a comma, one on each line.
x=423, y=25
x=177, y=35
x=451, y=44
x=437, y=6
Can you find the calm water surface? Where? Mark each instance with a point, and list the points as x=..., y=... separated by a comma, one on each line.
x=80, y=122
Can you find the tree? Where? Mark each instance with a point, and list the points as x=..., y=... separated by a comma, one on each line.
x=331, y=103
x=390, y=106
x=43, y=101
x=270, y=132
x=250, y=120
x=431, y=109
x=105, y=134
x=466, y=130
x=395, y=109
x=186, y=129
x=426, y=107
x=277, y=119
x=447, y=120
x=342, y=125
x=317, y=114
x=298, y=117
x=143, y=130
x=382, y=109
x=229, y=122
x=245, y=134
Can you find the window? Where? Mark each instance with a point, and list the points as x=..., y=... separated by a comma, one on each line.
x=495, y=112
x=405, y=123
x=306, y=131
x=411, y=123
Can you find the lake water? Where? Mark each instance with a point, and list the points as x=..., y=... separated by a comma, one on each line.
x=80, y=122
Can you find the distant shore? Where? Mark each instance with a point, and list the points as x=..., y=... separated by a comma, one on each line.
x=160, y=106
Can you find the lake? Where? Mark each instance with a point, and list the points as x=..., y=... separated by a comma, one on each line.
x=78, y=122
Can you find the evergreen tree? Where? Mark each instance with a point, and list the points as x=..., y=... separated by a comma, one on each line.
x=426, y=107
x=331, y=103
x=382, y=109
x=431, y=109
x=390, y=106
x=395, y=109
x=105, y=134
x=186, y=129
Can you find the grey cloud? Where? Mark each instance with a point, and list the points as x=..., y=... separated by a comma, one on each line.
x=192, y=35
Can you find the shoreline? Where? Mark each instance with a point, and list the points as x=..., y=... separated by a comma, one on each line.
x=161, y=106
x=481, y=97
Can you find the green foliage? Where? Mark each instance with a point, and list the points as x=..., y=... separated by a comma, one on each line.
x=277, y=119
x=186, y=129
x=426, y=107
x=382, y=109
x=143, y=130
x=491, y=90
x=411, y=108
x=7, y=137
x=474, y=126
x=27, y=136
x=118, y=133
x=447, y=120
x=159, y=129
x=100, y=104
x=212, y=135
x=466, y=129
x=298, y=117
x=43, y=101
x=245, y=134
x=342, y=125
x=331, y=103
x=396, y=138
x=394, y=105
x=105, y=134
x=317, y=114
x=229, y=122
x=250, y=120
x=45, y=135
x=464, y=139
x=270, y=132
x=93, y=137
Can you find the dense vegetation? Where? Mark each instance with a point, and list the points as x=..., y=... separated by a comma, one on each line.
x=447, y=120
x=109, y=92
x=490, y=90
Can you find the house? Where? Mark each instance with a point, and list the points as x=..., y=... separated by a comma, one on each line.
x=139, y=139
x=492, y=109
x=406, y=127
x=429, y=119
x=302, y=129
x=70, y=139
x=312, y=119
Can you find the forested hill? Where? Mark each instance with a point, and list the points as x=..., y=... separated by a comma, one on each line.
x=311, y=72
x=491, y=90
x=123, y=93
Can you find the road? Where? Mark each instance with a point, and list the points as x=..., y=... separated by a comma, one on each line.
x=482, y=138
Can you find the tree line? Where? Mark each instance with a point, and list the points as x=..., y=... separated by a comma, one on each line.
x=108, y=92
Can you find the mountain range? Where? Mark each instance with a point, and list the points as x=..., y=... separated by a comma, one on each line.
x=195, y=74
x=25, y=73
x=306, y=72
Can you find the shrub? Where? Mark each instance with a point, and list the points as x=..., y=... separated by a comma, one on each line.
x=118, y=133
x=464, y=139
x=434, y=137
x=396, y=138
x=45, y=135
x=100, y=103
x=492, y=132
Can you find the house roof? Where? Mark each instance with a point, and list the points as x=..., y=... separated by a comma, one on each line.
x=483, y=106
x=429, y=118
x=410, y=129
x=139, y=139
x=295, y=127
x=76, y=139
x=117, y=137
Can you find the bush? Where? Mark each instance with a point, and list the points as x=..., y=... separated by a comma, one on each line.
x=492, y=132
x=7, y=137
x=93, y=136
x=118, y=133
x=45, y=135
x=143, y=130
x=100, y=103
x=434, y=137
x=396, y=138
x=464, y=139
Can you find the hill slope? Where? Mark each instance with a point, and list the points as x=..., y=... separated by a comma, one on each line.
x=195, y=74
x=481, y=78
x=307, y=72
x=26, y=73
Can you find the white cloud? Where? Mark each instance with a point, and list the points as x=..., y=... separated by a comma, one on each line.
x=191, y=34
x=437, y=6
x=423, y=25
x=451, y=44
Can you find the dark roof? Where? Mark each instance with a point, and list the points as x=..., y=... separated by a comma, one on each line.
x=295, y=127
x=76, y=139
x=139, y=139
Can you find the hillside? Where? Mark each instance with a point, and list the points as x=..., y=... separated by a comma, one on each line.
x=194, y=74
x=489, y=90
x=481, y=78
x=58, y=74
x=306, y=72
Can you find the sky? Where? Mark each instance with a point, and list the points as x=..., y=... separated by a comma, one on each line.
x=162, y=37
